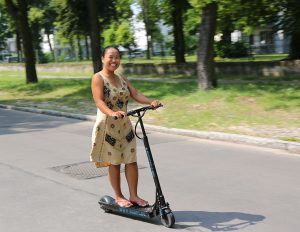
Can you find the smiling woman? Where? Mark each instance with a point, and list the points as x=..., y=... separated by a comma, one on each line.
x=113, y=140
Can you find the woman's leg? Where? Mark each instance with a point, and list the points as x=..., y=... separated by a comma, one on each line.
x=115, y=181
x=131, y=173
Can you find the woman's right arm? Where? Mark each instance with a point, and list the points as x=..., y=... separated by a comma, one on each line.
x=98, y=96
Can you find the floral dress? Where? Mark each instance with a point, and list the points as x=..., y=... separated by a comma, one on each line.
x=113, y=141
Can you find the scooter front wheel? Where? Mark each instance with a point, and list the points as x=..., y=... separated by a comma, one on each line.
x=167, y=218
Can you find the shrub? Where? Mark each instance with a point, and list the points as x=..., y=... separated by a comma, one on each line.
x=231, y=50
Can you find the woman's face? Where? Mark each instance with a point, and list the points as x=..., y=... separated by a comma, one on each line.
x=111, y=59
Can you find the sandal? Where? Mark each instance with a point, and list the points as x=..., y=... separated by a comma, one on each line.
x=124, y=203
x=140, y=203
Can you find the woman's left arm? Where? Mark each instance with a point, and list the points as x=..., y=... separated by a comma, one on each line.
x=139, y=97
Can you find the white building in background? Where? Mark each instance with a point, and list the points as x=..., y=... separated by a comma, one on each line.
x=281, y=42
x=264, y=40
x=11, y=45
x=7, y=53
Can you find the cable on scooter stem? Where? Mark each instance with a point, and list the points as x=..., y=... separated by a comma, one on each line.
x=136, y=113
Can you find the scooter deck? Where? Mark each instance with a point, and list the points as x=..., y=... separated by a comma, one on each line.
x=111, y=206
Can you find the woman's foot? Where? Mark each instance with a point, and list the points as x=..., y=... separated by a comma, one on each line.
x=139, y=202
x=123, y=202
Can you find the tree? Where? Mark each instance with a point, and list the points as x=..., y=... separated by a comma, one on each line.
x=19, y=12
x=150, y=15
x=71, y=22
x=205, y=59
x=36, y=18
x=248, y=14
x=4, y=30
x=94, y=34
x=191, y=25
x=120, y=30
x=107, y=11
x=227, y=15
x=289, y=21
x=48, y=24
x=79, y=18
x=178, y=7
x=119, y=33
x=173, y=15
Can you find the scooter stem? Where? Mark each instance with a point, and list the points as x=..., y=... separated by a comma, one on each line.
x=159, y=194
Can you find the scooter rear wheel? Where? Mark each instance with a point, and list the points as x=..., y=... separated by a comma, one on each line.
x=167, y=219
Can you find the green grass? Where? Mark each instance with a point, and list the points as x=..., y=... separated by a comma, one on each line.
x=189, y=58
x=258, y=57
x=229, y=105
x=230, y=108
x=193, y=58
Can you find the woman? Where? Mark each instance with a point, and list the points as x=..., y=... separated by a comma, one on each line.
x=113, y=139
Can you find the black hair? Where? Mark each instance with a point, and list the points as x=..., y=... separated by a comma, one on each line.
x=108, y=47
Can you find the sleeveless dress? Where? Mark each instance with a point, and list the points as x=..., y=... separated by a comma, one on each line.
x=113, y=141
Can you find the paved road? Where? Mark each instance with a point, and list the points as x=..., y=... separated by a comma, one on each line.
x=211, y=186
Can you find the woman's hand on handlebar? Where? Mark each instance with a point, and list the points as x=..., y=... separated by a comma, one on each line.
x=118, y=114
x=155, y=104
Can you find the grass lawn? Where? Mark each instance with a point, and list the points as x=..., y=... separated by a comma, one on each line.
x=193, y=58
x=253, y=109
x=189, y=58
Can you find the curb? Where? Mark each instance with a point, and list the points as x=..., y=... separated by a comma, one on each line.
x=292, y=147
x=49, y=112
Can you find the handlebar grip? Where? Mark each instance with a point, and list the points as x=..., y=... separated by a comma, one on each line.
x=160, y=105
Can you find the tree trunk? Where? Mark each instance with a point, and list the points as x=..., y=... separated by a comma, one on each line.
x=226, y=36
x=94, y=35
x=149, y=47
x=294, y=51
x=50, y=46
x=205, y=59
x=79, y=48
x=179, y=45
x=227, y=30
x=87, y=47
x=19, y=47
x=19, y=13
x=147, y=28
x=71, y=52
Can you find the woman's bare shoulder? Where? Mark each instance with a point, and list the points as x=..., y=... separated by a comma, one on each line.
x=97, y=81
x=97, y=78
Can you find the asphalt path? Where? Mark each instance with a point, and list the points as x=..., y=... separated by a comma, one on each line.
x=211, y=186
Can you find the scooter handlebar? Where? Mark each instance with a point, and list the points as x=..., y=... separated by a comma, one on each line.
x=145, y=108
x=135, y=111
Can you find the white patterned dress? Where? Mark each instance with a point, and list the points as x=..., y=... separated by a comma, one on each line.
x=113, y=141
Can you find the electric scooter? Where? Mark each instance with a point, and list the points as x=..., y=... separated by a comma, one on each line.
x=160, y=207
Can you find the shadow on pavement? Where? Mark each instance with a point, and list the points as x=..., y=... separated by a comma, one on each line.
x=215, y=221
x=12, y=122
